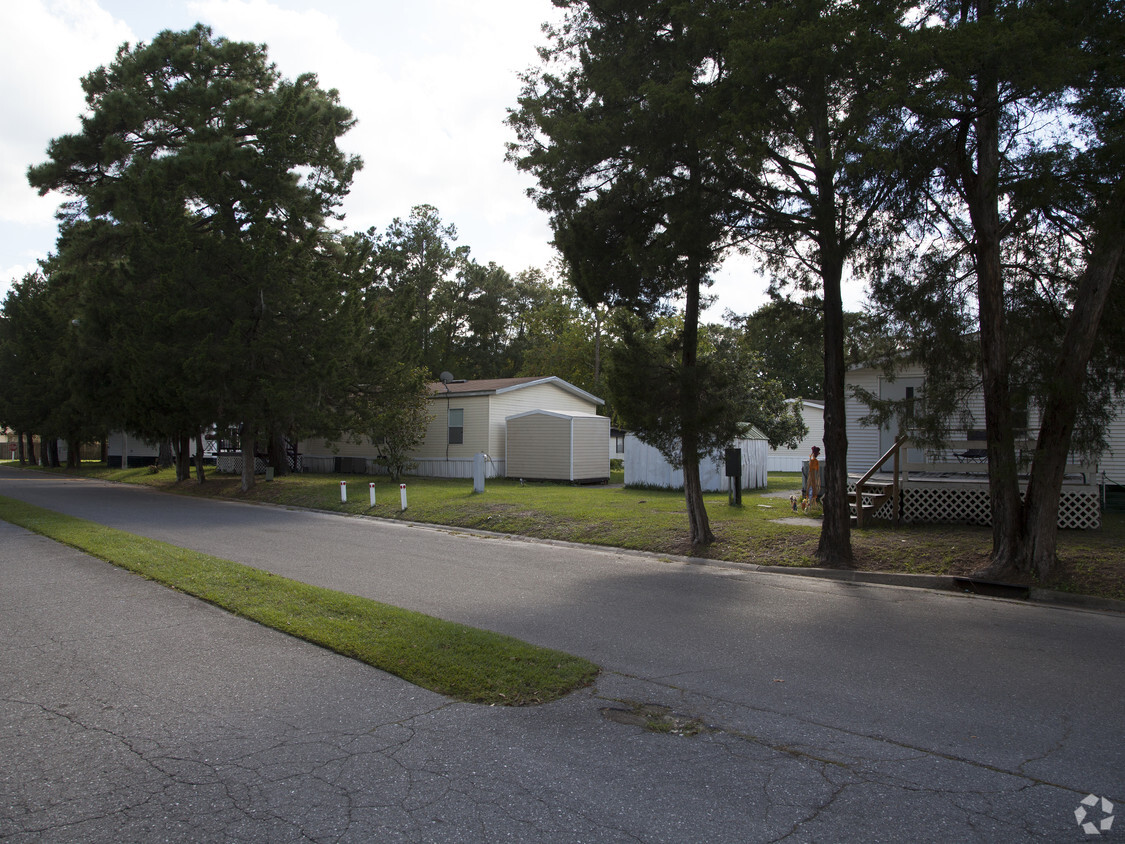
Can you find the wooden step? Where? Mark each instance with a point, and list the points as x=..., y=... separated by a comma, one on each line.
x=870, y=502
x=871, y=505
x=874, y=491
x=867, y=508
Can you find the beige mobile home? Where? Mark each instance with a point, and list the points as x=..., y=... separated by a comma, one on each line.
x=466, y=418
x=555, y=445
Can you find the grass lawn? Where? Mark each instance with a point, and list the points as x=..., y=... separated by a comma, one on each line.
x=1093, y=562
x=452, y=659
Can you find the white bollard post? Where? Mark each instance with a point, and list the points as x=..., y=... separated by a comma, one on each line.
x=402, y=494
x=343, y=492
x=371, y=489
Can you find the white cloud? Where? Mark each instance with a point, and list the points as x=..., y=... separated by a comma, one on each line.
x=9, y=275
x=430, y=82
x=45, y=48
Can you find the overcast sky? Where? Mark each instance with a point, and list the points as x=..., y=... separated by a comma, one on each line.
x=428, y=80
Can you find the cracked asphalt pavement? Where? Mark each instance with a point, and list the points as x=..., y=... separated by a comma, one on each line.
x=733, y=706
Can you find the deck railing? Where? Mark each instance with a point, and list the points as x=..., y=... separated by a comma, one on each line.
x=893, y=451
x=970, y=457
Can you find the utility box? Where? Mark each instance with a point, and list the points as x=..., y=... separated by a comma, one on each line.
x=734, y=463
x=734, y=475
x=478, y=471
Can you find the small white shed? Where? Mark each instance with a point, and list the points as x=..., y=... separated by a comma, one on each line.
x=645, y=466
x=557, y=445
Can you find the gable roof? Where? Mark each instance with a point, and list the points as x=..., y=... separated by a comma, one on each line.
x=495, y=386
x=558, y=414
x=814, y=403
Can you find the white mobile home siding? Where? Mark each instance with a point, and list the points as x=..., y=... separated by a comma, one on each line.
x=512, y=402
x=475, y=437
x=1112, y=462
x=790, y=459
x=318, y=447
x=863, y=441
x=140, y=452
x=438, y=458
x=485, y=407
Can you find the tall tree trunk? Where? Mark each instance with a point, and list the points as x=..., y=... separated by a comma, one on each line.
x=597, y=347
x=30, y=448
x=699, y=526
x=19, y=442
x=53, y=453
x=247, y=441
x=183, y=457
x=73, y=453
x=835, y=546
x=164, y=457
x=104, y=457
x=277, y=456
x=199, y=457
x=982, y=190
x=1044, y=489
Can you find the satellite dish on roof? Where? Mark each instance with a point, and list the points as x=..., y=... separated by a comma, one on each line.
x=446, y=377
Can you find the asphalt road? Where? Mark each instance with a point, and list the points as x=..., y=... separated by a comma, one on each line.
x=836, y=711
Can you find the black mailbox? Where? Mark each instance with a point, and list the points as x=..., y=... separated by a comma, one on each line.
x=734, y=463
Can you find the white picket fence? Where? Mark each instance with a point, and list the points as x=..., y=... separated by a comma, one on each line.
x=645, y=466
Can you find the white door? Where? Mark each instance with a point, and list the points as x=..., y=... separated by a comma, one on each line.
x=910, y=390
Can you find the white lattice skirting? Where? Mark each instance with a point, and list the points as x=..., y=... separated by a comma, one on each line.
x=965, y=504
x=232, y=464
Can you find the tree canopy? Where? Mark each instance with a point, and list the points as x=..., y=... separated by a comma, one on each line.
x=1016, y=126
x=201, y=182
x=619, y=130
x=663, y=134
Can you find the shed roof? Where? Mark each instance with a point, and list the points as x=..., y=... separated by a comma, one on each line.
x=495, y=386
x=558, y=414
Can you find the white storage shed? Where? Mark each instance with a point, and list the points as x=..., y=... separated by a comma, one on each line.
x=645, y=466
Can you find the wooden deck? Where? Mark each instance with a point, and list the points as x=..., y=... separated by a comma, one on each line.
x=950, y=497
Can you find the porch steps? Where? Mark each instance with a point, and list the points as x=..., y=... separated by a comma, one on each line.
x=875, y=495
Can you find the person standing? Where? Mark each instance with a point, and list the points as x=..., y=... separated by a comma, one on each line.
x=814, y=479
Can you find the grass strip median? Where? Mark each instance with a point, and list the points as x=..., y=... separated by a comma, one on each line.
x=452, y=659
